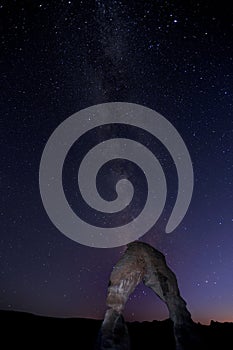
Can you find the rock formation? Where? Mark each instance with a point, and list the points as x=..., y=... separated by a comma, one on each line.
x=142, y=262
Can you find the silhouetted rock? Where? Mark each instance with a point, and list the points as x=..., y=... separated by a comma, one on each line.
x=31, y=331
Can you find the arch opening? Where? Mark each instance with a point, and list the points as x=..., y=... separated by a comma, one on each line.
x=143, y=263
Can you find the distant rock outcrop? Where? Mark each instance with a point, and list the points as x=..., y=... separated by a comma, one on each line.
x=142, y=262
x=154, y=335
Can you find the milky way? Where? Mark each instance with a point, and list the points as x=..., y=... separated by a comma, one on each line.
x=61, y=57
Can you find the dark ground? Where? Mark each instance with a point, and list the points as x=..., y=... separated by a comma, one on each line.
x=28, y=330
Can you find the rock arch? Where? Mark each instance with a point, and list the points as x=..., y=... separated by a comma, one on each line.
x=143, y=263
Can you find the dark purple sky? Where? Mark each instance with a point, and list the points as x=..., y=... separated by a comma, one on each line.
x=60, y=57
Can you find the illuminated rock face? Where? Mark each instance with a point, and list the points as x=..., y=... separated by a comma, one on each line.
x=114, y=333
x=143, y=263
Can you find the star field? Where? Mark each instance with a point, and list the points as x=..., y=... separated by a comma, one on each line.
x=60, y=57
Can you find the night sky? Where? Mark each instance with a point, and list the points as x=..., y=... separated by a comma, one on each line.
x=59, y=57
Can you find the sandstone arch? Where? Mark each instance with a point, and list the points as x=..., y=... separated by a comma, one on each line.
x=143, y=263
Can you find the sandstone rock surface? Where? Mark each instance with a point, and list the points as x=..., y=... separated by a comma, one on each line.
x=143, y=263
